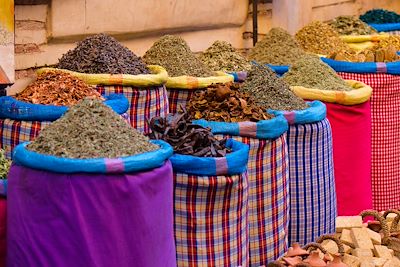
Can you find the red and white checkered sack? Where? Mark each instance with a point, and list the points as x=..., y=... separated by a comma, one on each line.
x=385, y=120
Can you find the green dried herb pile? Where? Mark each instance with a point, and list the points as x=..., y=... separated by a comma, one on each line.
x=320, y=38
x=174, y=54
x=222, y=56
x=102, y=54
x=351, y=25
x=278, y=47
x=90, y=129
x=5, y=165
x=269, y=91
x=187, y=138
x=311, y=72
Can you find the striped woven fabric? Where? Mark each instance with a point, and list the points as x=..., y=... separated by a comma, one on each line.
x=268, y=171
x=144, y=103
x=385, y=145
x=13, y=132
x=312, y=183
x=211, y=220
x=177, y=97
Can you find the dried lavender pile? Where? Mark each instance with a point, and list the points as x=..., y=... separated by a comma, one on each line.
x=320, y=38
x=102, y=54
x=278, y=47
x=187, y=138
x=90, y=130
x=311, y=72
x=174, y=54
x=269, y=91
x=222, y=56
x=351, y=25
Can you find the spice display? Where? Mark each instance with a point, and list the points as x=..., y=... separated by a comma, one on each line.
x=102, y=54
x=269, y=91
x=311, y=72
x=174, y=54
x=222, y=56
x=223, y=102
x=380, y=16
x=57, y=88
x=278, y=47
x=383, y=51
x=5, y=165
x=351, y=25
x=320, y=38
x=187, y=138
x=90, y=129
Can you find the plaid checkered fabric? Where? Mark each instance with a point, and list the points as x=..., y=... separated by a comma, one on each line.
x=312, y=183
x=268, y=171
x=385, y=119
x=144, y=103
x=13, y=132
x=211, y=227
x=178, y=97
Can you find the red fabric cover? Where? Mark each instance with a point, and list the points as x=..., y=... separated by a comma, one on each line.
x=385, y=144
x=351, y=133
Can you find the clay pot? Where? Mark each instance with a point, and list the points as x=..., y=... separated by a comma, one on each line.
x=296, y=250
x=337, y=262
x=314, y=260
x=292, y=261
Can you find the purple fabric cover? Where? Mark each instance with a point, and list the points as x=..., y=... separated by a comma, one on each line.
x=90, y=220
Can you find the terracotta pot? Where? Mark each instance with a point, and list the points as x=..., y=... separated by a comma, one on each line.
x=337, y=262
x=314, y=260
x=296, y=250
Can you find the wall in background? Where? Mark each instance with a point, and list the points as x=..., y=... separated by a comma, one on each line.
x=46, y=29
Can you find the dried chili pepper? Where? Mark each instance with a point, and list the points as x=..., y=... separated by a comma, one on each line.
x=223, y=102
x=187, y=138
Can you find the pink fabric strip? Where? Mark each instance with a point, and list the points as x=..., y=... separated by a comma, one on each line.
x=221, y=166
x=114, y=165
x=290, y=117
x=381, y=67
x=248, y=129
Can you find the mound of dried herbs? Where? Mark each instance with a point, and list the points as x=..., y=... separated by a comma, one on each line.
x=278, y=47
x=380, y=16
x=320, y=38
x=102, y=54
x=311, y=72
x=351, y=25
x=174, y=54
x=223, y=102
x=222, y=56
x=5, y=165
x=90, y=129
x=269, y=91
x=380, y=52
x=57, y=88
x=187, y=138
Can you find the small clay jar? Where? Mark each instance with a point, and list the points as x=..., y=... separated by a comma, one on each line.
x=314, y=260
x=337, y=262
x=296, y=250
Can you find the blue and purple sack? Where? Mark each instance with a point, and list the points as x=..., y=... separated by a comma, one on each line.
x=313, y=207
x=91, y=212
x=268, y=171
x=211, y=208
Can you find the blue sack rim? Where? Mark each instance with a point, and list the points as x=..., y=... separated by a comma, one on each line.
x=239, y=76
x=10, y=108
x=385, y=27
x=136, y=163
x=314, y=113
x=234, y=162
x=363, y=67
x=266, y=129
